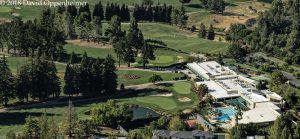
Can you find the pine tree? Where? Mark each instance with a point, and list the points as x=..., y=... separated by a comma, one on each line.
x=114, y=29
x=202, y=31
x=98, y=11
x=108, y=12
x=53, y=132
x=147, y=54
x=70, y=122
x=23, y=83
x=6, y=82
x=31, y=129
x=211, y=33
x=44, y=127
x=109, y=76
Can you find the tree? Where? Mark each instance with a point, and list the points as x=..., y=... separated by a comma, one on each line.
x=277, y=79
x=70, y=121
x=31, y=128
x=261, y=85
x=236, y=51
x=114, y=30
x=147, y=2
x=7, y=88
x=182, y=18
x=44, y=127
x=202, y=31
x=53, y=129
x=111, y=114
x=211, y=33
x=109, y=75
x=98, y=11
x=176, y=124
x=155, y=78
x=147, y=54
x=184, y=1
x=202, y=90
x=220, y=59
x=11, y=135
x=23, y=86
x=243, y=130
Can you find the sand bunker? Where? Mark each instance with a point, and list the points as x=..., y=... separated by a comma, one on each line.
x=184, y=99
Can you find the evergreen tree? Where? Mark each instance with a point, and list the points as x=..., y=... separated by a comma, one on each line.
x=98, y=11
x=70, y=122
x=6, y=82
x=211, y=33
x=202, y=31
x=23, y=83
x=44, y=127
x=53, y=132
x=147, y=54
x=109, y=76
x=31, y=128
x=114, y=29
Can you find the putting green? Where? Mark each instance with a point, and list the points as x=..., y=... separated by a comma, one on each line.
x=163, y=59
x=162, y=102
x=182, y=87
x=4, y=9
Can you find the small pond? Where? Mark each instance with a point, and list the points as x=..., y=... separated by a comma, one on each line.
x=142, y=113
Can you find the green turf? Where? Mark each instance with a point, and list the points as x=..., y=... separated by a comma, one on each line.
x=15, y=63
x=4, y=9
x=166, y=103
x=179, y=39
x=162, y=102
x=92, y=52
x=182, y=87
x=162, y=59
x=13, y=120
x=143, y=76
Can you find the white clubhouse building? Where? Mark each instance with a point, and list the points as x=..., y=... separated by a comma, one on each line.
x=227, y=86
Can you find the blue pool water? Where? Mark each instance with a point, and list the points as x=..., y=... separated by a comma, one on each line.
x=224, y=118
x=227, y=113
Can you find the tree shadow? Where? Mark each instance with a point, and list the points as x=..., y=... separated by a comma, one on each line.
x=194, y=5
x=18, y=118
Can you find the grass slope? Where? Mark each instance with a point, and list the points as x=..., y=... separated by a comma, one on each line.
x=143, y=76
x=15, y=119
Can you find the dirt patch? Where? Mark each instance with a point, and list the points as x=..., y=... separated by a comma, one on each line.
x=131, y=76
x=180, y=59
x=184, y=99
x=79, y=42
x=232, y=14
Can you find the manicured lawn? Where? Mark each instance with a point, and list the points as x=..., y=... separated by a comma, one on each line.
x=127, y=76
x=182, y=87
x=180, y=39
x=15, y=63
x=13, y=120
x=162, y=102
x=91, y=52
x=162, y=59
x=169, y=104
x=4, y=9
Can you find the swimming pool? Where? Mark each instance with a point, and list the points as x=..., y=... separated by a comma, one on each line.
x=227, y=113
